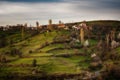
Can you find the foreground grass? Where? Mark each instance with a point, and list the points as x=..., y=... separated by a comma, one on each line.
x=46, y=63
x=46, y=60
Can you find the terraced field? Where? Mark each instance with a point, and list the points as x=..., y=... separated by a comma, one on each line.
x=52, y=59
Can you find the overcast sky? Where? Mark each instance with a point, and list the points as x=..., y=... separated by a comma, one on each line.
x=30, y=11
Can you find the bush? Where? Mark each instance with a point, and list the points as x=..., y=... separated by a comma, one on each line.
x=95, y=66
x=3, y=59
x=112, y=72
x=34, y=63
x=15, y=51
x=30, y=51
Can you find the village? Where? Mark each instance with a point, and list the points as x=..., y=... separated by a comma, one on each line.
x=88, y=50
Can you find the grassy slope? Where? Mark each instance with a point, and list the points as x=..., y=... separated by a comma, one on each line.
x=50, y=64
x=55, y=65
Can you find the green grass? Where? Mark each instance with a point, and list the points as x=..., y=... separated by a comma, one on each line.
x=40, y=60
x=50, y=64
x=53, y=64
x=45, y=61
x=36, y=41
x=93, y=42
x=52, y=46
x=118, y=49
x=40, y=54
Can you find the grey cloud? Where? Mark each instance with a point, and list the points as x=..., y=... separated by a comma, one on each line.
x=66, y=10
x=107, y=4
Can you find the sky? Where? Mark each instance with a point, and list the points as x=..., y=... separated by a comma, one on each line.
x=29, y=11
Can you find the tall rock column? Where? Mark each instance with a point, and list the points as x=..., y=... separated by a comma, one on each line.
x=50, y=27
x=107, y=40
x=82, y=35
x=37, y=25
x=112, y=36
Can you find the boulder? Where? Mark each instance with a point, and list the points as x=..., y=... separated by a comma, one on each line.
x=114, y=44
x=118, y=36
x=93, y=55
x=86, y=43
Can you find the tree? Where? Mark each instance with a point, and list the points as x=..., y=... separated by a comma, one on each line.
x=3, y=41
x=19, y=53
x=34, y=63
x=22, y=32
x=11, y=42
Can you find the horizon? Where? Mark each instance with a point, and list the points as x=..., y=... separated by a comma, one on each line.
x=28, y=11
x=29, y=25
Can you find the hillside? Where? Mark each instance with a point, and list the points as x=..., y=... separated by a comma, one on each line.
x=47, y=54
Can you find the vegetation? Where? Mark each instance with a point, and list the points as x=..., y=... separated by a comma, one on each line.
x=58, y=53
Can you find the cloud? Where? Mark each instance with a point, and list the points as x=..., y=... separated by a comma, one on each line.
x=33, y=8
x=32, y=0
x=65, y=10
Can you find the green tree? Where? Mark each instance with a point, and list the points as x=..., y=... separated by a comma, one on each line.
x=34, y=63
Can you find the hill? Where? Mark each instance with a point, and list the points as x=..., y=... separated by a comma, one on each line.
x=47, y=54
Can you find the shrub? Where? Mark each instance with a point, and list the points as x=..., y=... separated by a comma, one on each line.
x=3, y=59
x=34, y=63
x=30, y=51
x=95, y=66
x=15, y=51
